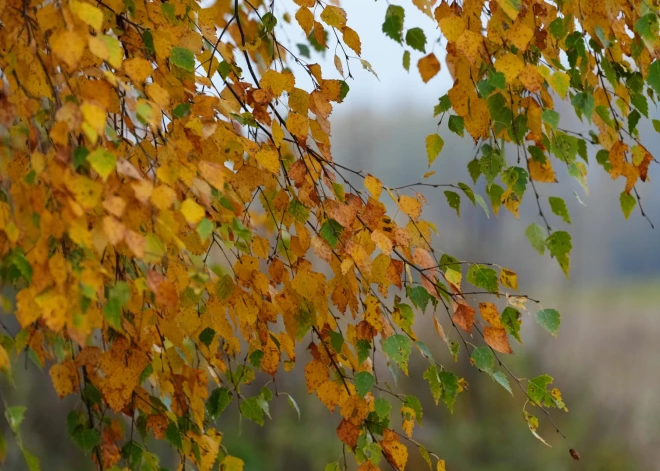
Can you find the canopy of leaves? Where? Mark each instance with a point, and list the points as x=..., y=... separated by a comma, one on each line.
x=174, y=224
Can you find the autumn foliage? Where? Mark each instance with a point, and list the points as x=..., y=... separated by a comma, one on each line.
x=174, y=225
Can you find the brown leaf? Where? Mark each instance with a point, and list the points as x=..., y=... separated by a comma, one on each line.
x=496, y=338
x=464, y=317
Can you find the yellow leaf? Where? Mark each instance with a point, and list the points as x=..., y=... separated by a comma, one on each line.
x=424, y=6
x=452, y=27
x=541, y=172
x=103, y=162
x=316, y=373
x=90, y=14
x=352, y=40
x=299, y=101
x=269, y=159
x=334, y=16
x=428, y=67
x=192, y=212
x=297, y=125
x=489, y=313
x=509, y=279
x=231, y=463
x=94, y=115
x=441, y=466
x=510, y=7
x=396, y=452
x=138, y=69
x=531, y=79
x=276, y=82
x=374, y=185
x=511, y=201
x=107, y=48
x=209, y=446
x=510, y=65
x=410, y=206
x=330, y=394
x=278, y=133
x=469, y=44
x=5, y=364
x=305, y=19
x=68, y=46
x=65, y=378
x=213, y=173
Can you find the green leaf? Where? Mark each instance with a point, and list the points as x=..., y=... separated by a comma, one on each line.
x=416, y=39
x=331, y=231
x=536, y=236
x=474, y=168
x=181, y=110
x=584, y=104
x=103, y=162
x=148, y=41
x=502, y=379
x=539, y=394
x=173, y=436
x=559, y=244
x=516, y=178
x=336, y=341
x=303, y=49
x=426, y=456
x=443, y=105
x=491, y=165
x=363, y=382
x=218, y=402
x=432, y=376
x=484, y=277
x=656, y=125
x=183, y=58
x=393, y=25
x=343, y=90
x=406, y=60
x=550, y=320
x=450, y=388
x=414, y=403
x=251, y=409
x=627, y=203
x=424, y=349
x=363, y=350
x=434, y=145
x=419, y=297
x=382, y=408
x=86, y=438
x=31, y=460
x=294, y=404
x=482, y=203
x=397, y=347
x=511, y=320
x=495, y=193
x=269, y=21
x=639, y=101
x=456, y=125
x=483, y=359
x=332, y=466
x=558, y=206
x=15, y=416
x=79, y=156
x=454, y=201
x=550, y=117
x=206, y=336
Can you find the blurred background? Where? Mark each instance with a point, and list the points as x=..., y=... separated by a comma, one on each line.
x=605, y=360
